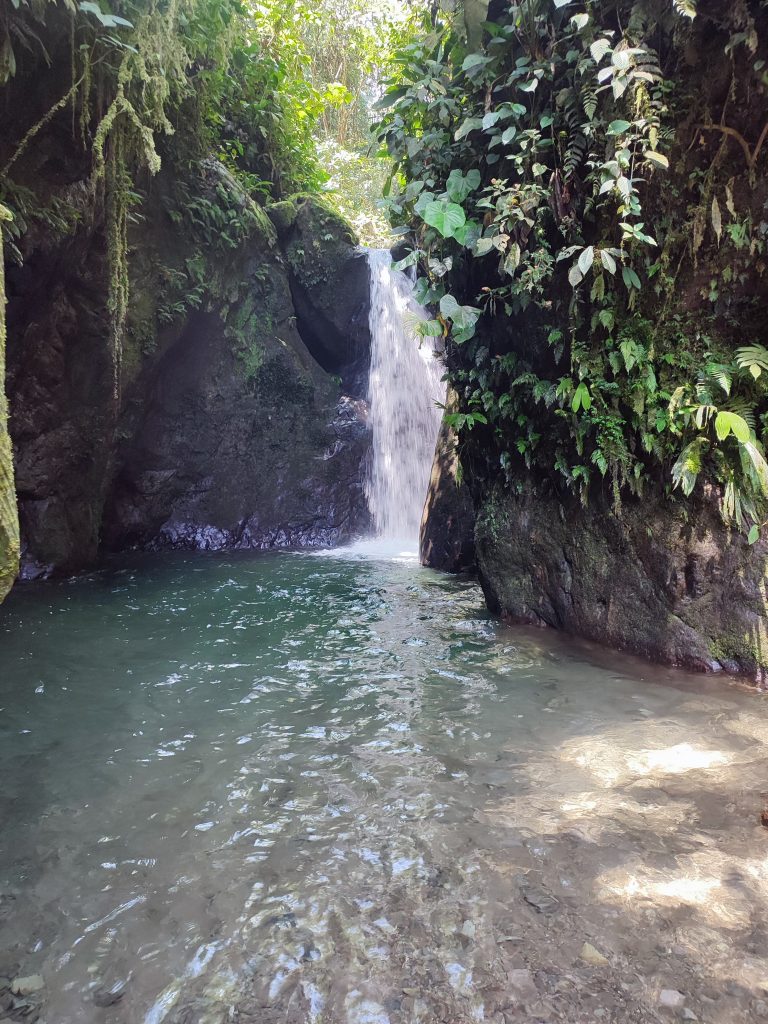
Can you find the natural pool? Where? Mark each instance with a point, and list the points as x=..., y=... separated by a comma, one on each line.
x=290, y=788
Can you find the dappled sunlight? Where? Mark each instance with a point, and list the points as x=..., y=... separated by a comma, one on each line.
x=722, y=890
x=675, y=760
x=614, y=761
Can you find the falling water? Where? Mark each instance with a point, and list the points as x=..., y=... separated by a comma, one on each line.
x=404, y=389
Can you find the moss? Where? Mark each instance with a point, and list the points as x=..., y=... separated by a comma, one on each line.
x=249, y=325
x=283, y=216
x=746, y=649
x=9, y=521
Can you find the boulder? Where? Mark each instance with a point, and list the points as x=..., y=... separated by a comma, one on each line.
x=655, y=578
x=330, y=285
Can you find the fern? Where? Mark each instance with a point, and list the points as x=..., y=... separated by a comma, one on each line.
x=753, y=358
x=685, y=8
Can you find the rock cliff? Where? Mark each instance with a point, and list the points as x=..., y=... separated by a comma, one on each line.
x=241, y=420
x=650, y=578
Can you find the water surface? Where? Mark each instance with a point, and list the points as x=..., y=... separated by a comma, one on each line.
x=322, y=789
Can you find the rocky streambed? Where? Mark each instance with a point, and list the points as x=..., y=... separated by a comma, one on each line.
x=304, y=789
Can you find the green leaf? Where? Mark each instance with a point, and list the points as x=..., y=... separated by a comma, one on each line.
x=475, y=13
x=408, y=261
x=470, y=124
x=630, y=278
x=688, y=466
x=575, y=276
x=727, y=423
x=580, y=21
x=618, y=127
x=430, y=328
x=390, y=97
x=753, y=358
x=483, y=246
x=474, y=60
x=598, y=49
x=446, y=217
x=460, y=185
x=468, y=234
x=512, y=261
x=656, y=158
x=754, y=534
x=759, y=464
x=530, y=86
x=608, y=261
x=581, y=398
x=586, y=259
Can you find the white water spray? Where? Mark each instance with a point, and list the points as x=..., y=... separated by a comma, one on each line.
x=403, y=390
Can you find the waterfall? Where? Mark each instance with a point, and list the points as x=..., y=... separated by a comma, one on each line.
x=404, y=387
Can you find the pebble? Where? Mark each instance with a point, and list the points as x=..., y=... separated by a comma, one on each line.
x=521, y=980
x=593, y=956
x=689, y=1014
x=543, y=901
x=27, y=986
x=671, y=998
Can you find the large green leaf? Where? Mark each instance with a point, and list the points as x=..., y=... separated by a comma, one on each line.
x=727, y=423
x=759, y=464
x=460, y=185
x=753, y=358
x=445, y=217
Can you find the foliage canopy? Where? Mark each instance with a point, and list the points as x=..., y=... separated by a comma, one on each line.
x=561, y=168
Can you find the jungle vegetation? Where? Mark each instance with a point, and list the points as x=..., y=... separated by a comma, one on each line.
x=582, y=183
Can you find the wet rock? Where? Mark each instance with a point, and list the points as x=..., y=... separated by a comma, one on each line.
x=689, y=1014
x=447, y=537
x=238, y=426
x=671, y=999
x=330, y=287
x=590, y=955
x=541, y=900
x=109, y=995
x=544, y=561
x=27, y=986
x=521, y=983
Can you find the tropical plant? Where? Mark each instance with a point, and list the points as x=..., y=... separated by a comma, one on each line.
x=525, y=150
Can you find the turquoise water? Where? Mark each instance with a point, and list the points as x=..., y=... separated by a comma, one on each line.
x=300, y=788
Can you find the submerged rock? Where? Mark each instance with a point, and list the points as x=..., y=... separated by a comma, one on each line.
x=108, y=995
x=671, y=999
x=590, y=955
x=27, y=986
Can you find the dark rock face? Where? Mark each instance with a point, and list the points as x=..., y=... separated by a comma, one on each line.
x=222, y=460
x=60, y=385
x=646, y=580
x=330, y=286
x=237, y=427
x=447, y=536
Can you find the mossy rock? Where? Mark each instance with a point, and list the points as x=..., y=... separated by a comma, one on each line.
x=689, y=592
x=9, y=520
